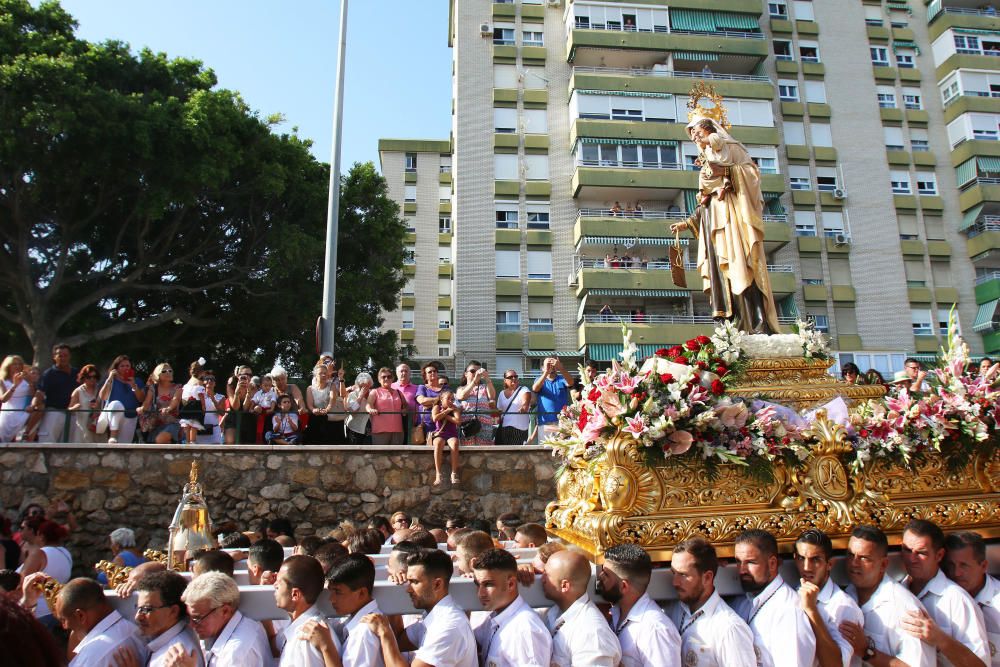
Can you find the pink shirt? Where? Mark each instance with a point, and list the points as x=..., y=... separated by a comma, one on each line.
x=410, y=392
x=389, y=406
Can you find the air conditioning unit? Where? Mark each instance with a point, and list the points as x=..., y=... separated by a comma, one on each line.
x=842, y=239
x=554, y=3
x=840, y=193
x=485, y=29
x=571, y=279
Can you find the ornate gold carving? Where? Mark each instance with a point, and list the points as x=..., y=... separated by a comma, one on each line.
x=716, y=112
x=799, y=383
x=116, y=574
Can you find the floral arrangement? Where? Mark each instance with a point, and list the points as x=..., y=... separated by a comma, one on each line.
x=676, y=407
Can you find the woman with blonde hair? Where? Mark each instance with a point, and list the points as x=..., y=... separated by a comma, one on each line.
x=16, y=394
x=158, y=414
x=323, y=398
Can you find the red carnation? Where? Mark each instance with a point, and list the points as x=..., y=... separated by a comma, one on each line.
x=662, y=352
x=718, y=387
x=704, y=340
x=675, y=351
x=693, y=345
x=666, y=378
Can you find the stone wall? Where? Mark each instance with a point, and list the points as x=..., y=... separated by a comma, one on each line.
x=139, y=486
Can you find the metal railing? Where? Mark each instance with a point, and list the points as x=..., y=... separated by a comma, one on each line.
x=678, y=74
x=629, y=164
x=986, y=277
x=656, y=265
x=984, y=223
x=655, y=215
x=970, y=12
x=737, y=34
x=618, y=27
x=656, y=318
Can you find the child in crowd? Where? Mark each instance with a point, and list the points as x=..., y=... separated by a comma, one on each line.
x=266, y=396
x=447, y=415
x=193, y=402
x=284, y=423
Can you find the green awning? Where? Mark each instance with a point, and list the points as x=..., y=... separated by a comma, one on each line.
x=969, y=219
x=731, y=21
x=900, y=44
x=625, y=93
x=628, y=142
x=691, y=200
x=620, y=240
x=987, y=317
x=966, y=172
x=973, y=31
x=774, y=206
x=552, y=353
x=603, y=291
x=612, y=351
x=583, y=306
x=692, y=19
x=699, y=56
x=988, y=164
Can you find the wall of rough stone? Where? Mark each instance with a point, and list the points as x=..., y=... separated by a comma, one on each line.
x=139, y=486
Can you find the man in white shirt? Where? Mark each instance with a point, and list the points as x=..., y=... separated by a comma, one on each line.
x=782, y=634
x=712, y=634
x=825, y=605
x=884, y=603
x=513, y=635
x=83, y=610
x=965, y=563
x=444, y=638
x=296, y=589
x=645, y=633
x=229, y=639
x=953, y=623
x=162, y=617
x=580, y=633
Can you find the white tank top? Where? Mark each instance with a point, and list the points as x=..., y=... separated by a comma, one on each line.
x=58, y=565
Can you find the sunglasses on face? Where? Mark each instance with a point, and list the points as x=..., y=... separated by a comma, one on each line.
x=509, y=377
x=208, y=378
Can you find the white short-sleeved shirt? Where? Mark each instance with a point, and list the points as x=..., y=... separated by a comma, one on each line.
x=883, y=612
x=242, y=643
x=782, y=634
x=713, y=635
x=988, y=600
x=956, y=613
x=835, y=607
x=297, y=652
x=581, y=636
x=646, y=635
x=516, y=637
x=111, y=633
x=180, y=633
x=444, y=636
x=361, y=646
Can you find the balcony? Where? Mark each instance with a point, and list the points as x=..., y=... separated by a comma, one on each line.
x=960, y=14
x=660, y=79
x=593, y=273
x=988, y=286
x=598, y=331
x=978, y=191
x=611, y=180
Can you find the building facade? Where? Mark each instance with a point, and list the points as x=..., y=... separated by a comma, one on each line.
x=875, y=126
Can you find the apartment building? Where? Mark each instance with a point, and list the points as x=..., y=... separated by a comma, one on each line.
x=875, y=125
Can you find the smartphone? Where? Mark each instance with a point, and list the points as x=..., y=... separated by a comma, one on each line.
x=128, y=375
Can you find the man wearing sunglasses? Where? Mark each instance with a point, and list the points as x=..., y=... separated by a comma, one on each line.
x=162, y=618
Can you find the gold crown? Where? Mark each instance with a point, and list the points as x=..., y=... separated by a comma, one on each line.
x=716, y=112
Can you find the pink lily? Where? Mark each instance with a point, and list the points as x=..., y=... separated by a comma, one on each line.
x=627, y=383
x=636, y=425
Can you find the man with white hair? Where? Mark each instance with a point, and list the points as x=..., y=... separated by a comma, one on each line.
x=229, y=638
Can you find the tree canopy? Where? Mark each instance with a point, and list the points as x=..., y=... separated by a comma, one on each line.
x=144, y=210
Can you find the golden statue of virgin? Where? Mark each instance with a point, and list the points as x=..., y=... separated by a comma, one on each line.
x=729, y=221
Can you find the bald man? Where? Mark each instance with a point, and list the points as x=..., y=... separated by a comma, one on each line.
x=580, y=633
x=137, y=573
x=97, y=627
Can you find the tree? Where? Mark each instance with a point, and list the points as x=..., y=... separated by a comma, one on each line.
x=142, y=209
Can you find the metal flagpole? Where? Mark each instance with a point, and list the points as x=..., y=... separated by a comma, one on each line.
x=326, y=323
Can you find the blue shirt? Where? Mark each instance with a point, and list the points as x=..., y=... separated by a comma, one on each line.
x=123, y=392
x=552, y=398
x=57, y=386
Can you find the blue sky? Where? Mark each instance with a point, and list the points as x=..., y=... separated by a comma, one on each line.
x=282, y=58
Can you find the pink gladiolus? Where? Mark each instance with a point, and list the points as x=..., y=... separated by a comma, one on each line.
x=679, y=442
x=635, y=425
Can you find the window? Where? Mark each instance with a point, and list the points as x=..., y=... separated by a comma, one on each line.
x=538, y=216
x=949, y=92
x=444, y=286
x=805, y=223
x=808, y=51
x=777, y=9
x=833, y=223
x=795, y=134
x=444, y=319
x=540, y=265
x=407, y=319
x=444, y=254
x=626, y=114
x=506, y=215
x=915, y=272
x=912, y=98
x=767, y=165
x=444, y=224
x=408, y=287
x=900, y=181
x=798, y=177
x=815, y=92
x=505, y=121
x=921, y=319
x=444, y=193
x=410, y=193
x=967, y=44
x=504, y=76
x=804, y=10
x=822, y=323
x=508, y=316
x=533, y=78
x=812, y=270
x=886, y=97
x=505, y=167
x=840, y=272
x=918, y=139
x=539, y=316
x=893, y=137
x=536, y=121
x=503, y=34
x=410, y=162
x=444, y=350
x=942, y=273
x=819, y=135
x=873, y=15
x=409, y=255
x=536, y=167
x=943, y=315
x=926, y=183
x=826, y=179
x=880, y=56
x=532, y=38
x=905, y=58
x=445, y=166
x=409, y=226
x=788, y=90
x=508, y=263
x=783, y=50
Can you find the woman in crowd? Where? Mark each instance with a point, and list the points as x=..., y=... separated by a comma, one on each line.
x=320, y=401
x=47, y=554
x=158, y=414
x=446, y=415
x=280, y=377
x=10, y=549
x=427, y=396
x=241, y=425
x=16, y=394
x=215, y=412
x=387, y=407
x=850, y=373
x=513, y=402
x=85, y=402
x=357, y=410
x=479, y=399
x=122, y=394
x=124, y=548
x=193, y=402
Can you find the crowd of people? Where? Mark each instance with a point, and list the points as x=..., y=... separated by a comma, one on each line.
x=945, y=611
x=914, y=378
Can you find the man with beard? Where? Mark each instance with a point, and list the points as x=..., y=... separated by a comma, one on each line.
x=712, y=635
x=444, y=638
x=782, y=634
x=965, y=563
x=162, y=617
x=825, y=605
x=645, y=633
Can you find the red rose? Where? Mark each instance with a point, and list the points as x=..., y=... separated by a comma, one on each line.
x=662, y=352
x=681, y=360
x=704, y=340
x=863, y=433
x=721, y=370
x=693, y=345
x=666, y=378
x=701, y=365
x=581, y=423
x=675, y=351
x=718, y=387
